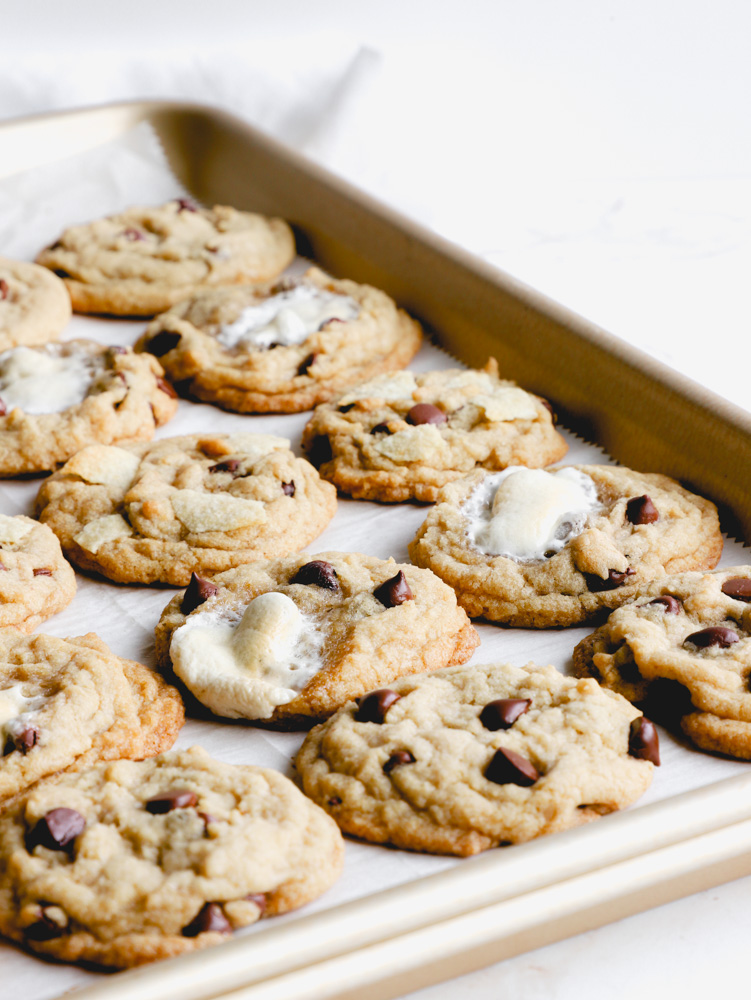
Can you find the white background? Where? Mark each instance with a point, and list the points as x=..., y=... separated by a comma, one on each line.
x=600, y=151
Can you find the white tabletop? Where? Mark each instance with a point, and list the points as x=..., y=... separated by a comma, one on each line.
x=598, y=150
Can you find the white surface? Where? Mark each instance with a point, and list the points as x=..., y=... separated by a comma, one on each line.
x=599, y=151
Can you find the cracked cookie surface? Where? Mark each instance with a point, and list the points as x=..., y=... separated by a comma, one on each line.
x=145, y=259
x=59, y=398
x=68, y=703
x=576, y=541
x=196, y=503
x=404, y=436
x=35, y=580
x=289, y=641
x=474, y=757
x=34, y=304
x=683, y=648
x=130, y=862
x=284, y=347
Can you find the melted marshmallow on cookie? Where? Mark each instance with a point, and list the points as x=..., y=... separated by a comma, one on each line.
x=43, y=380
x=245, y=665
x=529, y=514
x=287, y=318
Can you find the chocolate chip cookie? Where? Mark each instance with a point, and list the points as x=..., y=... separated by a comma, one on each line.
x=34, y=304
x=197, y=503
x=145, y=259
x=283, y=347
x=404, y=436
x=530, y=547
x=132, y=862
x=67, y=703
x=59, y=398
x=683, y=648
x=35, y=581
x=289, y=641
x=473, y=757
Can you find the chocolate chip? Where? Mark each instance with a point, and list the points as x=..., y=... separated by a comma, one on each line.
x=3, y=288
x=320, y=450
x=175, y=798
x=671, y=604
x=394, y=591
x=230, y=465
x=61, y=273
x=509, y=768
x=288, y=489
x=306, y=364
x=641, y=510
x=317, y=574
x=643, y=742
x=42, y=571
x=133, y=234
x=196, y=593
x=3, y=409
x=715, y=635
x=738, y=587
x=334, y=801
x=374, y=706
x=209, y=918
x=56, y=830
x=549, y=407
x=185, y=205
x=346, y=407
x=503, y=713
x=381, y=429
x=614, y=579
x=259, y=898
x=45, y=929
x=24, y=739
x=426, y=413
x=207, y=818
x=163, y=342
x=166, y=388
x=396, y=759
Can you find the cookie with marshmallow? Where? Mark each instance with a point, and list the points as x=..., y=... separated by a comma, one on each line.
x=58, y=398
x=281, y=347
x=191, y=504
x=543, y=548
x=288, y=641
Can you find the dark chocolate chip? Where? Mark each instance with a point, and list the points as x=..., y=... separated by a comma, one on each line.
x=165, y=387
x=509, y=768
x=175, y=798
x=230, y=465
x=42, y=571
x=614, y=579
x=549, y=407
x=22, y=740
x=426, y=413
x=396, y=759
x=288, y=489
x=185, y=205
x=503, y=713
x=44, y=929
x=317, y=574
x=381, y=429
x=346, y=408
x=715, y=635
x=197, y=591
x=641, y=510
x=209, y=918
x=374, y=706
x=334, y=801
x=3, y=409
x=738, y=587
x=306, y=364
x=207, y=818
x=4, y=288
x=320, y=450
x=259, y=898
x=56, y=830
x=671, y=604
x=643, y=742
x=61, y=273
x=133, y=234
x=394, y=591
x=163, y=342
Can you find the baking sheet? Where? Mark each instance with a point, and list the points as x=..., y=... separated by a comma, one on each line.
x=34, y=207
